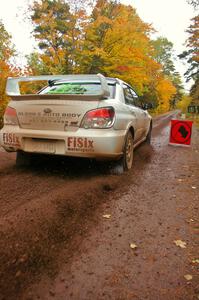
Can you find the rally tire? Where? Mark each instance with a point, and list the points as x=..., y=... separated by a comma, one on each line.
x=148, y=137
x=127, y=158
x=125, y=162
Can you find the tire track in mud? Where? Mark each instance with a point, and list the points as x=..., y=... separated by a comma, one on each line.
x=153, y=212
x=32, y=237
x=45, y=210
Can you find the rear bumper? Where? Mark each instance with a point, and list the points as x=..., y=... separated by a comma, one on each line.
x=92, y=143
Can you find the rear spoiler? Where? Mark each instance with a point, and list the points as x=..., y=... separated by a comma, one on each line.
x=12, y=87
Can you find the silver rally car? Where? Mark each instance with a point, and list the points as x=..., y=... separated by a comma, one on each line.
x=75, y=115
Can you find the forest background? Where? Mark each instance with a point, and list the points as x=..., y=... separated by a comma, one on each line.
x=109, y=38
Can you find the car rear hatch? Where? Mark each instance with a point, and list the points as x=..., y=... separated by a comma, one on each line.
x=60, y=106
x=52, y=114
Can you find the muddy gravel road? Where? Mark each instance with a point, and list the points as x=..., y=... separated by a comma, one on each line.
x=70, y=230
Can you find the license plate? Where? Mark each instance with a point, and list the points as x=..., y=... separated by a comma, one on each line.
x=40, y=146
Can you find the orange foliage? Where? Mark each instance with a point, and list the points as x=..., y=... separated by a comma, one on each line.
x=113, y=41
x=165, y=92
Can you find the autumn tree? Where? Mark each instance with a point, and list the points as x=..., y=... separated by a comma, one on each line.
x=6, y=69
x=112, y=40
x=93, y=53
x=58, y=30
x=117, y=44
x=35, y=64
x=184, y=103
x=164, y=54
x=191, y=55
x=52, y=23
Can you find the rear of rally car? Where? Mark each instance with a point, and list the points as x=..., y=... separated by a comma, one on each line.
x=71, y=116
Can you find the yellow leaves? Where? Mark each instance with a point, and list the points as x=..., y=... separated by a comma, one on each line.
x=165, y=88
x=107, y=216
x=188, y=277
x=180, y=244
x=127, y=49
x=184, y=103
x=101, y=20
x=165, y=91
x=133, y=246
x=99, y=52
x=5, y=71
x=113, y=41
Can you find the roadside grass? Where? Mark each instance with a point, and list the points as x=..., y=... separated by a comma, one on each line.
x=188, y=116
x=155, y=113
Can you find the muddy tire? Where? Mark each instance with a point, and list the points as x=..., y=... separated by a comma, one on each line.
x=127, y=159
x=23, y=159
x=148, y=137
x=125, y=162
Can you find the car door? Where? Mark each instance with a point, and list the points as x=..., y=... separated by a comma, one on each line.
x=144, y=118
x=137, y=113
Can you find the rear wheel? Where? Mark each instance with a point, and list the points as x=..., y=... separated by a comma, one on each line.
x=148, y=137
x=125, y=163
x=127, y=159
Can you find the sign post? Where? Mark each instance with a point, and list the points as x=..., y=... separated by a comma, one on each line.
x=180, y=133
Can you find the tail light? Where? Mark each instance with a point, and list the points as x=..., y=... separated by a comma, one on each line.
x=10, y=116
x=99, y=118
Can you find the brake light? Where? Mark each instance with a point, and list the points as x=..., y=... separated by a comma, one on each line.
x=99, y=118
x=10, y=116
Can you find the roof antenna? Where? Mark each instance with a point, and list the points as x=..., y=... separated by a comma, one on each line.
x=52, y=82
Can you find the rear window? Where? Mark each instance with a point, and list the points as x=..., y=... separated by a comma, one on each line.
x=77, y=88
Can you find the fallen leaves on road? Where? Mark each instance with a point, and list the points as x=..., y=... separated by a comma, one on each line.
x=195, y=261
x=180, y=243
x=190, y=221
x=107, y=216
x=133, y=246
x=188, y=277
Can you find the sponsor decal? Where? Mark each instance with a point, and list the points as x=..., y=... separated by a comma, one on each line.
x=80, y=144
x=49, y=114
x=69, y=119
x=11, y=139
